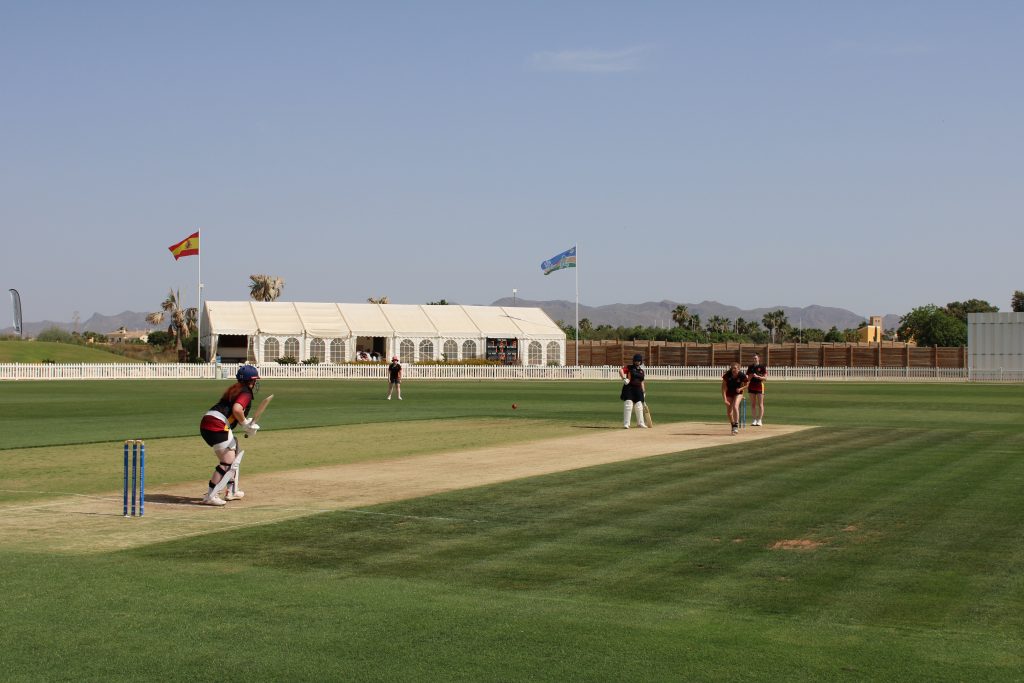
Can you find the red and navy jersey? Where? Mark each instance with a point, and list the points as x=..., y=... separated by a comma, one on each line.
x=635, y=373
x=219, y=417
x=759, y=369
x=734, y=384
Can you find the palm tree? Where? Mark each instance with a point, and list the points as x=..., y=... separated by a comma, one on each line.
x=681, y=316
x=183, y=321
x=379, y=300
x=774, y=321
x=717, y=323
x=265, y=287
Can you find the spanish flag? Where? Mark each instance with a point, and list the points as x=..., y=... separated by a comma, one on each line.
x=187, y=247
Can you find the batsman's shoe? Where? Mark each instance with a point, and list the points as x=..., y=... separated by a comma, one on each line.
x=735, y=431
x=213, y=499
x=235, y=495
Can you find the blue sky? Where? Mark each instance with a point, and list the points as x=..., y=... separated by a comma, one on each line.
x=862, y=155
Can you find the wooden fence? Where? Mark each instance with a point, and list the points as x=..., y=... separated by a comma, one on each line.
x=824, y=355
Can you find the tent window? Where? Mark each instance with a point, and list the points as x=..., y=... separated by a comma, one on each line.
x=291, y=348
x=338, y=351
x=426, y=350
x=318, y=350
x=271, y=350
x=468, y=349
x=533, y=354
x=407, y=351
x=554, y=353
x=451, y=350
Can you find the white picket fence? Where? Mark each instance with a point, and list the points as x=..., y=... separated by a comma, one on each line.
x=70, y=371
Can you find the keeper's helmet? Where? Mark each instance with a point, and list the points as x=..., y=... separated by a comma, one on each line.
x=638, y=358
x=247, y=373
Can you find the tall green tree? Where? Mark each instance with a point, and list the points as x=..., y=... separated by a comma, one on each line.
x=1017, y=302
x=933, y=326
x=960, y=309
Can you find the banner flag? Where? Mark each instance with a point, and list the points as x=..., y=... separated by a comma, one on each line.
x=187, y=247
x=19, y=326
x=567, y=259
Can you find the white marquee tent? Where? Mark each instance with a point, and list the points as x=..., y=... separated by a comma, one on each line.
x=339, y=333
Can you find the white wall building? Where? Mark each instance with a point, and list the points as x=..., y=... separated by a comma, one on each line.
x=995, y=341
x=335, y=333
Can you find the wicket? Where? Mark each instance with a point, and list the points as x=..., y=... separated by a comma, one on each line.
x=138, y=448
x=743, y=412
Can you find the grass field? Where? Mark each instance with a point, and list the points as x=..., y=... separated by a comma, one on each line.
x=886, y=543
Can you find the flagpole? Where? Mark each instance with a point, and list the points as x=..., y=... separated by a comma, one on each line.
x=199, y=306
x=577, y=269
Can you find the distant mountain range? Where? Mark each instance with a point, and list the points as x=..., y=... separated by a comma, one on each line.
x=651, y=313
x=659, y=313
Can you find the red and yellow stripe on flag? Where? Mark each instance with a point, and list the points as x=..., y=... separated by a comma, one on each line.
x=187, y=247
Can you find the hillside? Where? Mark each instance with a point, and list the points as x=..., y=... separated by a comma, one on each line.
x=38, y=352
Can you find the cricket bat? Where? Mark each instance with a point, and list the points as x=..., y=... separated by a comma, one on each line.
x=260, y=409
x=255, y=416
x=647, y=415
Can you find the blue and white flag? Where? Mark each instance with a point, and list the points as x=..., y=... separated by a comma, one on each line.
x=567, y=259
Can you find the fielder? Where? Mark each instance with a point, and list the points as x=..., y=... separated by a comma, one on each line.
x=215, y=428
x=395, y=377
x=633, y=391
x=757, y=373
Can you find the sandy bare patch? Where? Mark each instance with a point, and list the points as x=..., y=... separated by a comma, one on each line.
x=83, y=524
x=796, y=544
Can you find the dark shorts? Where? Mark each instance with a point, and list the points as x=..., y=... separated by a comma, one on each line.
x=756, y=390
x=395, y=380
x=634, y=394
x=213, y=438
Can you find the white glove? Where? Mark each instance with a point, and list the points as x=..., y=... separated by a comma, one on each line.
x=625, y=380
x=250, y=427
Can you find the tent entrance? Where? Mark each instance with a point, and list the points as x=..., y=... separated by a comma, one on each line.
x=375, y=346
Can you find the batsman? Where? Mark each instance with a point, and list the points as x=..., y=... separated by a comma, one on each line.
x=230, y=411
x=633, y=391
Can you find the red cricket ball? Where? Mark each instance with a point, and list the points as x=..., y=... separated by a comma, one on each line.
x=514, y=406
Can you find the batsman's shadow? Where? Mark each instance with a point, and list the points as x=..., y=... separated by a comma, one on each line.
x=594, y=427
x=168, y=499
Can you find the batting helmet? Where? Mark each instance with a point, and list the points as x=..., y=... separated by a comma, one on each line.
x=247, y=373
x=638, y=358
